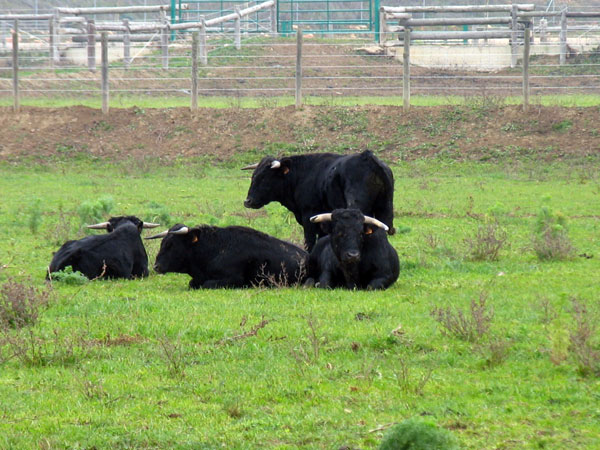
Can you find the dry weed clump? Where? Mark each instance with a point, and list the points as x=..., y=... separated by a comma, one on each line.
x=470, y=326
x=583, y=338
x=489, y=239
x=20, y=304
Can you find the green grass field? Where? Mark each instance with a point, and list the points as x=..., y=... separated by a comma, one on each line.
x=151, y=364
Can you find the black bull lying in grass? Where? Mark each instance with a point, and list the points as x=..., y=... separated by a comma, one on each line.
x=229, y=257
x=355, y=253
x=313, y=183
x=118, y=254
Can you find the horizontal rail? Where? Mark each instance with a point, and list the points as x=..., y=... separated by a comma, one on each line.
x=453, y=9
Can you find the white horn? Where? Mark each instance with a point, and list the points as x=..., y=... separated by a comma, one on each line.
x=182, y=230
x=99, y=226
x=321, y=218
x=376, y=222
x=159, y=235
x=151, y=225
x=250, y=167
x=275, y=164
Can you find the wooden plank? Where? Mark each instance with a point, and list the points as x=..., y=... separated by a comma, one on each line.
x=15, y=67
x=457, y=8
x=195, y=42
x=104, y=59
x=406, y=70
x=526, y=52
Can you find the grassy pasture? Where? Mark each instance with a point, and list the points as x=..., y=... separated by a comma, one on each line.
x=151, y=364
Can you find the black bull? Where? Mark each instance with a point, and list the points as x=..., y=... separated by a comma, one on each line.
x=229, y=257
x=315, y=183
x=355, y=254
x=118, y=254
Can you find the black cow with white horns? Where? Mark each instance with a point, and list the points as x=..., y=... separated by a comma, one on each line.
x=355, y=254
x=313, y=183
x=229, y=257
x=118, y=254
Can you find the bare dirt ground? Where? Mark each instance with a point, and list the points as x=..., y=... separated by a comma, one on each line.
x=481, y=131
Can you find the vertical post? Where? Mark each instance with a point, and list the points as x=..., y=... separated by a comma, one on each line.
x=91, y=44
x=55, y=39
x=104, y=42
x=514, y=44
x=274, y=20
x=299, y=68
x=2, y=31
x=237, y=29
x=406, y=71
x=382, y=27
x=195, y=40
x=526, y=51
x=164, y=39
x=543, y=30
x=126, y=44
x=203, y=49
x=51, y=45
x=563, y=37
x=15, y=64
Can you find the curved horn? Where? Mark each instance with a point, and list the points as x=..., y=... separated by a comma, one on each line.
x=182, y=230
x=321, y=218
x=275, y=164
x=250, y=167
x=151, y=225
x=99, y=226
x=378, y=223
x=159, y=235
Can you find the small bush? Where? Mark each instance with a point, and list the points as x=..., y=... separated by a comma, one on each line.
x=414, y=434
x=550, y=237
x=93, y=212
x=34, y=216
x=467, y=327
x=158, y=213
x=68, y=276
x=20, y=304
x=487, y=242
x=583, y=340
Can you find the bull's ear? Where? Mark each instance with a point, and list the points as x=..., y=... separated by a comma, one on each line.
x=193, y=236
x=285, y=165
x=368, y=229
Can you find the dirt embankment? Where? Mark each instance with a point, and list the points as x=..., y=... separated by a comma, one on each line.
x=477, y=131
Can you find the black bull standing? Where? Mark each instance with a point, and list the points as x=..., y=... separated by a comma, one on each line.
x=315, y=183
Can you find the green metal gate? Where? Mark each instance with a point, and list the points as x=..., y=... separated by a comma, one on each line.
x=317, y=16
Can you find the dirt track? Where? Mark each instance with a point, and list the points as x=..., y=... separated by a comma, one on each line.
x=478, y=131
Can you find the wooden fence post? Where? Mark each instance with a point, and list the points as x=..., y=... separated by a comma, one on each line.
x=164, y=39
x=238, y=29
x=563, y=37
x=514, y=42
x=526, y=51
x=299, y=68
x=126, y=44
x=104, y=41
x=382, y=27
x=274, y=20
x=195, y=40
x=51, y=44
x=203, y=49
x=15, y=64
x=543, y=30
x=406, y=71
x=91, y=45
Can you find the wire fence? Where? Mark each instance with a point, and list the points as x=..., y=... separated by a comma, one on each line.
x=274, y=65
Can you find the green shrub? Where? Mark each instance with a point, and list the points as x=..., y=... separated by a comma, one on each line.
x=95, y=211
x=551, y=237
x=68, y=276
x=158, y=213
x=414, y=434
x=34, y=216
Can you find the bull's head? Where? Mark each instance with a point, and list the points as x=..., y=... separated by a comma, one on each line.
x=347, y=229
x=175, y=248
x=115, y=222
x=268, y=181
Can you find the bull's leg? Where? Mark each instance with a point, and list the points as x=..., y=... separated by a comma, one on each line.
x=231, y=282
x=325, y=281
x=310, y=234
x=378, y=283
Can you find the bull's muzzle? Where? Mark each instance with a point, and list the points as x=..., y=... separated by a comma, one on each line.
x=351, y=257
x=249, y=203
